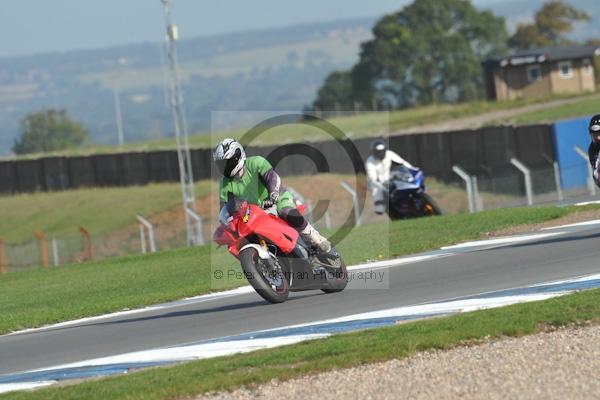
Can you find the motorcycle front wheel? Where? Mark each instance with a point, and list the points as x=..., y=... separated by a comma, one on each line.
x=430, y=207
x=265, y=276
x=337, y=278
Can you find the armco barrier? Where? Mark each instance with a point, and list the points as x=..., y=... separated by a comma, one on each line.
x=81, y=172
x=483, y=152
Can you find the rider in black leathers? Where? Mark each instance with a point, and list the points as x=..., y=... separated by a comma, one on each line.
x=594, y=149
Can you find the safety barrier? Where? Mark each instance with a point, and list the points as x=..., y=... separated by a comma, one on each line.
x=485, y=150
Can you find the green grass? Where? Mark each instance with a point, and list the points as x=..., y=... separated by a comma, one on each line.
x=100, y=211
x=339, y=351
x=578, y=109
x=43, y=296
x=363, y=124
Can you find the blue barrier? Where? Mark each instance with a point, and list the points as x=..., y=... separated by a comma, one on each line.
x=573, y=168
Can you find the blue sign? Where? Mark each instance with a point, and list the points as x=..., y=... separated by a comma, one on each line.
x=573, y=167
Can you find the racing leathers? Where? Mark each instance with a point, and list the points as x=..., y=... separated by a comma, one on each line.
x=593, y=154
x=259, y=184
x=378, y=175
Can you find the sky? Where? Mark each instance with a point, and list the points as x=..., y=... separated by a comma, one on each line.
x=39, y=26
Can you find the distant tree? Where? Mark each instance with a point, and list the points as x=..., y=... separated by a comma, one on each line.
x=49, y=130
x=431, y=51
x=551, y=24
x=595, y=42
x=336, y=93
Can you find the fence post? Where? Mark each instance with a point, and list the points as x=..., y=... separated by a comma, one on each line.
x=55, y=252
x=476, y=196
x=43, y=248
x=2, y=257
x=355, y=201
x=469, y=182
x=310, y=208
x=559, y=191
x=591, y=183
x=87, y=243
x=527, y=173
x=196, y=217
x=327, y=220
x=143, y=239
x=143, y=221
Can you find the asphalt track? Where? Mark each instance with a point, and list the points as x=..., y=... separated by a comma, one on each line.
x=462, y=272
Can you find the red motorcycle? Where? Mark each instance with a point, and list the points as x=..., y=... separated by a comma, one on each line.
x=273, y=256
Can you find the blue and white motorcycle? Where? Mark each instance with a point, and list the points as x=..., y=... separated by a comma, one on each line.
x=406, y=194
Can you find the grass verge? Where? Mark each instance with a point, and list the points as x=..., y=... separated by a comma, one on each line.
x=574, y=110
x=362, y=125
x=339, y=351
x=43, y=296
x=61, y=213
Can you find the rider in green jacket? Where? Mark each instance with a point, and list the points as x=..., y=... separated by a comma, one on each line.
x=254, y=180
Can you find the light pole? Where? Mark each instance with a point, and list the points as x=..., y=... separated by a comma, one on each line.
x=117, y=101
x=181, y=134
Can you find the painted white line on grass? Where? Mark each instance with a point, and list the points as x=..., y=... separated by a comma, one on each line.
x=587, y=203
x=11, y=387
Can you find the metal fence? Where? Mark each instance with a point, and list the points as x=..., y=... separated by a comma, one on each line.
x=505, y=188
x=513, y=188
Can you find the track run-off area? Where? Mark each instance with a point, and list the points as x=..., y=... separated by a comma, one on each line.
x=465, y=277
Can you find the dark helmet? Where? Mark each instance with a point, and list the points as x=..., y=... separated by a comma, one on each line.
x=378, y=149
x=594, y=127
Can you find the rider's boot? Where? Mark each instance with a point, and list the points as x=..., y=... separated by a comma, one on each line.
x=312, y=236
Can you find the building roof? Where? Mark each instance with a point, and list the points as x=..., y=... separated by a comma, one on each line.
x=546, y=54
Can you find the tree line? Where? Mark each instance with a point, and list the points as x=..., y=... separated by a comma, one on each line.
x=431, y=52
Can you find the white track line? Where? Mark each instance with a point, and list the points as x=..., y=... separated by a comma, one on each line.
x=189, y=352
x=248, y=289
x=501, y=241
x=586, y=223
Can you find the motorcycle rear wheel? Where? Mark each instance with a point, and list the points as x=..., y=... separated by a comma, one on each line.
x=274, y=287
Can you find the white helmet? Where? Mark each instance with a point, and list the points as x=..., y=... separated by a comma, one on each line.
x=229, y=157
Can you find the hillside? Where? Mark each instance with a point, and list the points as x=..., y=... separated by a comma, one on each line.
x=274, y=69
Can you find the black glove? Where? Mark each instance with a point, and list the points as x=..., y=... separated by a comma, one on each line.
x=268, y=203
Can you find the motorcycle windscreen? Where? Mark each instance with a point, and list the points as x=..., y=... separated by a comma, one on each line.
x=401, y=186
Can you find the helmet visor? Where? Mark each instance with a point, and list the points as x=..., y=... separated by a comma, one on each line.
x=379, y=150
x=225, y=167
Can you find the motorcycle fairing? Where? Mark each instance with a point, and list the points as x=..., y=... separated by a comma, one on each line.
x=274, y=229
